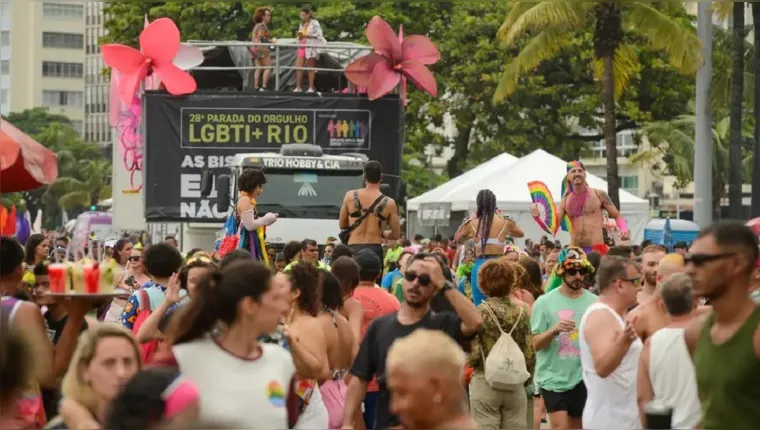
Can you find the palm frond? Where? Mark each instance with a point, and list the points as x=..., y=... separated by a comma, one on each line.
x=723, y=8
x=546, y=15
x=543, y=46
x=682, y=45
x=516, y=10
x=74, y=198
x=626, y=64
x=65, y=184
x=645, y=157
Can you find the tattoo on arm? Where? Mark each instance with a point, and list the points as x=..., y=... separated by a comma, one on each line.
x=605, y=198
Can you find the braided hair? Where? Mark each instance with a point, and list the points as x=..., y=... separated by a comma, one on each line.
x=486, y=208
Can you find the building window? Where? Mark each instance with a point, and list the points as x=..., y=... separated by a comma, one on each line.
x=3, y=96
x=5, y=38
x=5, y=67
x=626, y=146
x=78, y=126
x=62, y=40
x=63, y=98
x=62, y=70
x=63, y=11
x=629, y=182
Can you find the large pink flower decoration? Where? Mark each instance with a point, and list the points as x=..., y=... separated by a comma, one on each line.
x=394, y=58
x=159, y=44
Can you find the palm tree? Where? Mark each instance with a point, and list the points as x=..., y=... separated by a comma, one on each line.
x=70, y=192
x=672, y=145
x=550, y=25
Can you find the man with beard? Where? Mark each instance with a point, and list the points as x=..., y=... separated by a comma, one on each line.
x=553, y=322
x=725, y=345
x=584, y=206
x=423, y=279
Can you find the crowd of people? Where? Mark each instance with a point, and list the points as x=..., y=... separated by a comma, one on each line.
x=378, y=330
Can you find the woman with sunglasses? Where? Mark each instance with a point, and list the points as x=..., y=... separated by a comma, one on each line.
x=134, y=278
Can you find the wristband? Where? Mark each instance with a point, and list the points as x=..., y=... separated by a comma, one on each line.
x=621, y=223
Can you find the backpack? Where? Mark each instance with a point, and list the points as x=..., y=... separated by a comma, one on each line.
x=505, y=365
x=147, y=349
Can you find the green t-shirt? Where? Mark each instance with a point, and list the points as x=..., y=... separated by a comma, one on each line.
x=320, y=265
x=398, y=289
x=558, y=366
x=391, y=255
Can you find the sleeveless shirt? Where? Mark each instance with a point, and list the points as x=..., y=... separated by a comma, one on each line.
x=611, y=401
x=728, y=377
x=29, y=406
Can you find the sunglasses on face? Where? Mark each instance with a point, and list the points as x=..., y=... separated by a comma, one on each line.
x=573, y=272
x=634, y=281
x=422, y=279
x=699, y=260
x=135, y=258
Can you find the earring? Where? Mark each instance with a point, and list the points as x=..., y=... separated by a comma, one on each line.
x=437, y=398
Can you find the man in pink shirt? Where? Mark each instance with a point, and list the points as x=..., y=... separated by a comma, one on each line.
x=376, y=302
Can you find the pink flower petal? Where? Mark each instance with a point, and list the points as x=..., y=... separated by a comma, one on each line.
x=123, y=58
x=159, y=41
x=383, y=39
x=130, y=83
x=421, y=49
x=384, y=79
x=360, y=70
x=177, y=81
x=420, y=76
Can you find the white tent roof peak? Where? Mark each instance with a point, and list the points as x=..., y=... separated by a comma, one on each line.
x=459, y=190
x=511, y=187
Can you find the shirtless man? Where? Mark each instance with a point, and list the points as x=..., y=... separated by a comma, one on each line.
x=584, y=206
x=367, y=229
x=650, y=315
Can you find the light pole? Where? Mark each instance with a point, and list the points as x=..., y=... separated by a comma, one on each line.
x=703, y=154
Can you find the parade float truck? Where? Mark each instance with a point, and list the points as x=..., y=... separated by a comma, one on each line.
x=311, y=146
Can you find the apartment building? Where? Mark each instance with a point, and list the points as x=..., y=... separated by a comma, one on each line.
x=42, y=57
x=96, y=84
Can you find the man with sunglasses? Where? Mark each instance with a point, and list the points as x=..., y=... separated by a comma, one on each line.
x=554, y=318
x=610, y=348
x=725, y=344
x=424, y=278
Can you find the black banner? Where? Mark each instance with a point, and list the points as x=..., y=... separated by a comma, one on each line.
x=184, y=135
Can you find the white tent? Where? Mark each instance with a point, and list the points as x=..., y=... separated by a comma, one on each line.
x=459, y=191
x=510, y=184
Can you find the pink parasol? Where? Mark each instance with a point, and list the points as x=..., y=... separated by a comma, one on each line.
x=395, y=59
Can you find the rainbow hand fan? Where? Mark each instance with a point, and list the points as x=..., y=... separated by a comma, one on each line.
x=541, y=196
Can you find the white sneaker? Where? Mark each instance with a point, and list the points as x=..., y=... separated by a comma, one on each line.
x=261, y=90
x=311, y=90
x=298, y=90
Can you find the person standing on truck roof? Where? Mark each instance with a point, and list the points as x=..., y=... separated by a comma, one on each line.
x=366, y=213
x=251, y=185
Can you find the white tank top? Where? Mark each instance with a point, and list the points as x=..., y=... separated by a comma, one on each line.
x=611, y=401
x=672, y=375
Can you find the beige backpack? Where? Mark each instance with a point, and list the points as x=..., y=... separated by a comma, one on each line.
x=505, y=367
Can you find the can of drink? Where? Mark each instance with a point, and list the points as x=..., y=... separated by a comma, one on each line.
x=659, y=416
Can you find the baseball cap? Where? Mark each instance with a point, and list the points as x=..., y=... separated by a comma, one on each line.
x=368, y=260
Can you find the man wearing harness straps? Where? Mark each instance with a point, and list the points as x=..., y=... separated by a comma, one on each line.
x=366, y=212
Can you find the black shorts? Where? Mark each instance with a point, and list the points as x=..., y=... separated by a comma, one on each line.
x=571, y=401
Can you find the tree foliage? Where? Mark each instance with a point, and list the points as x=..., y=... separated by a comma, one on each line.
x=549, y=110
x=83, y=170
